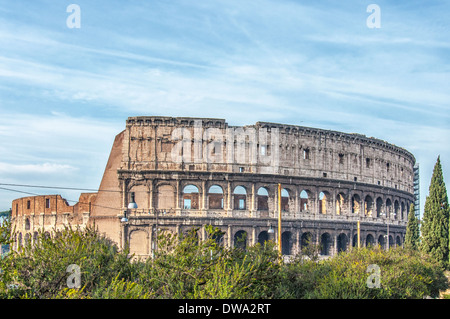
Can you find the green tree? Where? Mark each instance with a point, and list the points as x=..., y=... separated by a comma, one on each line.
x=40, y=270
x=435, y=222
x=412, y=230
x=5, y=228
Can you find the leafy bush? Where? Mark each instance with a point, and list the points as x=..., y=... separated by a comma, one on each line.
x=189, y=268
x=40, y=270
x=185, y=267
x=403, y=274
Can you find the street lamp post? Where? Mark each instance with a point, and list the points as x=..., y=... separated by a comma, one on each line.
x=387, y=231
x=279, y=219
x=124, y=220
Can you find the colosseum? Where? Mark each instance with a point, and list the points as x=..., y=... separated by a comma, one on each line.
x=177, y=173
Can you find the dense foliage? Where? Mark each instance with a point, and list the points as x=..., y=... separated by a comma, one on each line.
x=188, y=268
x=412, y=237
x=435, y=221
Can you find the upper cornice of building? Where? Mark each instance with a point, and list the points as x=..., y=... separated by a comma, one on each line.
x=283, y=128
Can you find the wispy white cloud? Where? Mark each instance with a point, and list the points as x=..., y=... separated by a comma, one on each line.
x=314, y=64
x=35, y=169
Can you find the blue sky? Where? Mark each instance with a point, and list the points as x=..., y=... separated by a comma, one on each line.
x=65, y=93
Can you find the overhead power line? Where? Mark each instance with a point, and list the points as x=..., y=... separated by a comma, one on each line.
x=59, y=187
x=68, y=200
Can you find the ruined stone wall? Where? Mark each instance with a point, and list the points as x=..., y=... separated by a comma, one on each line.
x=180, y=144
x=186, y=173
x=47, y=213
x=190, y=172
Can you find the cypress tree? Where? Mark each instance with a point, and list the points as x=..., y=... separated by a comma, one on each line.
x=412, y=230
x=435, y=222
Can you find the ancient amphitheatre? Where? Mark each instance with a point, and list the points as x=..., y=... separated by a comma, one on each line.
x=183, y=173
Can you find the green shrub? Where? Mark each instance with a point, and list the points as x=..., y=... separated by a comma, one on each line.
x=40, y=270
x=184, y=267
x=403, y=274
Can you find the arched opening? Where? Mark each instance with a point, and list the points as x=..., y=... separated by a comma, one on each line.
x=342, y=242
x=340, y=204
x=323, y=203
x=284, y=200
x=379, y=204
x=325, y=243
x=140, y=195
x=27, y=224
x=402, y=217
x=368, y=206
x=381, y=241
x=286, y=243
x=263, y=237
x=305, y=240
x=391, y=241
x=215, y=197
x=240, y=239
x=218, y=237
x=356, y=204
x=304, y=201
x=27, y=239
x=190, y=197
x=388, y=207
x=398, y=241
x=396, y=209
x=240, y=198
x=263, y=199
x=370, y=241
x=35, y=238
x=355, y=240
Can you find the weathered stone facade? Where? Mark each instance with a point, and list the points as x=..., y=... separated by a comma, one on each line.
x=192, y=172
x=47, y=213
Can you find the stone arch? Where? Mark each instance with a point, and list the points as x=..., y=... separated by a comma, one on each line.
x=381, y=241
x=139, y=242
x=304, y=200
x=396, y=209
x=388, y=207
x=285, y=199
x=27, y=239
x=191, y=197
x=355, y=240
x=240, y=239
x=35, y=238
x=306, y=240
x=391, y=241
x=263, y=237
x=286, y=243
x=402, y=210
x=219, y=237
x=356, y=204
x=262, y=196
x=240, y=197
x=368, y=206
x=379, y=206
x=140, y=194
x=323, y=202
x=342, y=242
x=325, y=244
x=215, y=197
x=165, y=197
x=191, y=232
x=398, y=241
x=370, y=240
x=340, y=204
